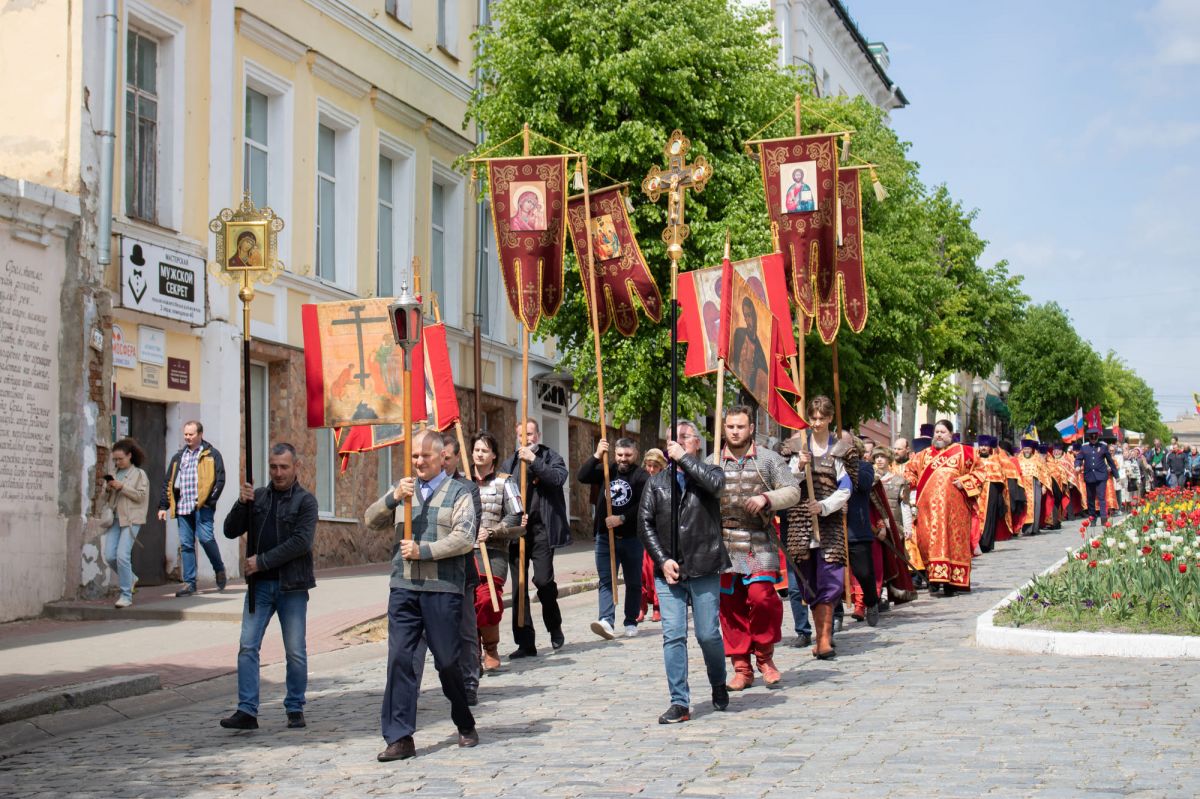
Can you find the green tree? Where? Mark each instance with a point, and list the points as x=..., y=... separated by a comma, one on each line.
x=1126, y=393
x=1051, y=369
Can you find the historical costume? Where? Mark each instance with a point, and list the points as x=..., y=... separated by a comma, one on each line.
x=1096, y=465
x=945, y=482
x=1031, y=466
x=751, y=611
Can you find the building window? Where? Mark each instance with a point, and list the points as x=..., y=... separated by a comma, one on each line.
x=326, y=472
x=399, y=10
x=326, y=203
x=256, y=150
x=259, y=399
x=385, y=254
x=489, y=266
x=437, y=243
x=141, y=127
x=447, y=31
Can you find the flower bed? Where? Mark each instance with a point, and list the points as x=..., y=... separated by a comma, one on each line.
x=1140, y=575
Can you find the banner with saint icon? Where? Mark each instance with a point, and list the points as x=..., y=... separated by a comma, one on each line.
x=843, y=290
x=800, y=180
x=528, y=200
x=621, y=269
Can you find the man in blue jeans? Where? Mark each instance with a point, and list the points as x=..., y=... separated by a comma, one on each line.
x=195, y=479
x=282, y=523
x=626, y=482
x=688, y=560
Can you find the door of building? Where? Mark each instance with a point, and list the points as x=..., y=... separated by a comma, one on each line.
x=148, y=424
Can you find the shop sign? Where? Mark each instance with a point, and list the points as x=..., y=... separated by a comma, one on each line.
x=162, y=282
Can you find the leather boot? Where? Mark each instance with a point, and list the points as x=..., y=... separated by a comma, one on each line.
x=489, y=640
x=766, y=666
x=823, y=628
x=743, y=674
x=860, y=609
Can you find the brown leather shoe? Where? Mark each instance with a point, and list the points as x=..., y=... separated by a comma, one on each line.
x=468, y=738
x=743, y=674
x=766, y=666
x=398, y=750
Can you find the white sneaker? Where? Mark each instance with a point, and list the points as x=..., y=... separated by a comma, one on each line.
x=630, y=630
x=603, y=629
x=122, y=603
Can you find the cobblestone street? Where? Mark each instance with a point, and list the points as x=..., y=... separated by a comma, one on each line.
x=910, y=709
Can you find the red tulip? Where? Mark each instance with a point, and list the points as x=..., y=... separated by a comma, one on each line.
x=1168, y=557
x=1095, y=544
x=1091, y=564
x=1082, y=556
x=1146, y=550
x=1116, y=594
x=1183, y=568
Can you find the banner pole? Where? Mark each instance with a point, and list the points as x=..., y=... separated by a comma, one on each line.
x=522, y=592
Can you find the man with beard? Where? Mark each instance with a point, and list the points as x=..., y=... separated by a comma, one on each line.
x=945, y=481
x=758, y=483
x=992, y=506
x=626, y=489
x=1033, y=481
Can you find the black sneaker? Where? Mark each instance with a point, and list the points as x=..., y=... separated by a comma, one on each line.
x=556, y=638
x=242, y=721
x=522, y=652
x=802, y=641
x=675, y=714
x=187, y=590
x=720, y=697
x=222, y=580
x=296, y=720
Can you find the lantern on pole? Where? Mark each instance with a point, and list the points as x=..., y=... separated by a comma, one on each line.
x=406, y=315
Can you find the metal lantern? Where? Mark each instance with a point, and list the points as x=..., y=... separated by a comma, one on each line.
x=977, y=386
x=406, y=317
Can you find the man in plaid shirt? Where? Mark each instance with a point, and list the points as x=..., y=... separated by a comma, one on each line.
x=194, y=482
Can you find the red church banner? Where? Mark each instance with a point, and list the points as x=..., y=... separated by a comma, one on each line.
x=621, y=270
x=844, y=290
x=528, y=197
x=800, y=176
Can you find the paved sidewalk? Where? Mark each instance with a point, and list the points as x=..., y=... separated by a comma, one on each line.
x=910, y=709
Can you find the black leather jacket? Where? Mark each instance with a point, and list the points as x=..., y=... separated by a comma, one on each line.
x=698, y=546
x=295, y=527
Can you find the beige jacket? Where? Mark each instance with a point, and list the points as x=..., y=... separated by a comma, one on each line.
x=131, y=502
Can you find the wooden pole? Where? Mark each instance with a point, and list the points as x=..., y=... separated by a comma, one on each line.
x=837, y=389
x=718, y=417
x=593, y=279
x=522, y=591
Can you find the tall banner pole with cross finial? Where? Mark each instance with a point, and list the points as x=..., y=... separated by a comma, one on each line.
x=246, y=248
x=675, y=180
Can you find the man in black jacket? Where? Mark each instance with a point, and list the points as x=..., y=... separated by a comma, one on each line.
x=688, y=561
x=282, y=523
x=547, y=530
x=626, y=482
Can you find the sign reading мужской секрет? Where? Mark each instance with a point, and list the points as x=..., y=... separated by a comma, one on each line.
x=162, y=282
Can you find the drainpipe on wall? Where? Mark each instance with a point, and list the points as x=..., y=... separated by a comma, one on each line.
x=107, y=133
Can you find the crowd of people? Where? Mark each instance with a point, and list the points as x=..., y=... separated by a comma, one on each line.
x=824, y=519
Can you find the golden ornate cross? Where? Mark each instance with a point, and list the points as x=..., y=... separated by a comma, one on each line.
x=675, y=179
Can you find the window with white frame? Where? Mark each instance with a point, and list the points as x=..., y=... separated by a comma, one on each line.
x=141, y=126
x=336, y=196
x=400, y=10
x=326, y=203
x=385, y=250
x=489, y=267
x=326, y=473
x=447, y=28
x=256, y=149
x=446, y=242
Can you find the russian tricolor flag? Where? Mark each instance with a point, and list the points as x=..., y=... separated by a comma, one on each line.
x=1071, y=428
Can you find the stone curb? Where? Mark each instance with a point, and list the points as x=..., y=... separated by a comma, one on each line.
x=1081, y=644
x=77, y=696
x=72, y=611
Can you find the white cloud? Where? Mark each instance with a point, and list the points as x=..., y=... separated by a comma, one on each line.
x=1176, y=27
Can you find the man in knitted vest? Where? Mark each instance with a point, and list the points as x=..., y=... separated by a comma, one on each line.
x=428, y=578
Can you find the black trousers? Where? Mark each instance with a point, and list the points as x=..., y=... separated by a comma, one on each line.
x=862, y=565
x=436, y=615
x=1097, y=492
x=539, y=556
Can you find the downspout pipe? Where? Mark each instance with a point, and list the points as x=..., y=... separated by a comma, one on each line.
x=107, y=132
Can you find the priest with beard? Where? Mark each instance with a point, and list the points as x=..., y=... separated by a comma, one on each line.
x=992, y=505
x=945, y=480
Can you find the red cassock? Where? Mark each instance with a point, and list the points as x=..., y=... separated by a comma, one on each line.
x=944, y=510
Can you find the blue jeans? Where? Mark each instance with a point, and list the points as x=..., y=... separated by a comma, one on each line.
x=198, y=524
x=705, y=594
x=118, y=551
x=292, y=608
x=800, y=621
x=629, y=561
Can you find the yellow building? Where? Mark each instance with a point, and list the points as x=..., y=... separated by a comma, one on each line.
x=343, y=116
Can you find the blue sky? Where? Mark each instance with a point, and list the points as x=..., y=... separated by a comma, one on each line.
x=1074, y=128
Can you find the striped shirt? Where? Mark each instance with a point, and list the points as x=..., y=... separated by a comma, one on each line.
x=187, y=480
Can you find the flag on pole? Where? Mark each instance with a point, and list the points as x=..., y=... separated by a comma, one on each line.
x=1030, y=433
x=1116, y=428
x=441, y=400
x=841, y=287
x=1196, y=399
x=1071, y=428
x=1093, y=418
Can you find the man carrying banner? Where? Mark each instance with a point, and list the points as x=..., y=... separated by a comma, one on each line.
x=944, y=479
x=757, y=484
x=546, y=531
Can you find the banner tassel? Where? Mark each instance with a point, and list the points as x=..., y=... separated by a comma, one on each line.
x=845, y=147
x=880, y=192
x=577, y=180
x=628, y=203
